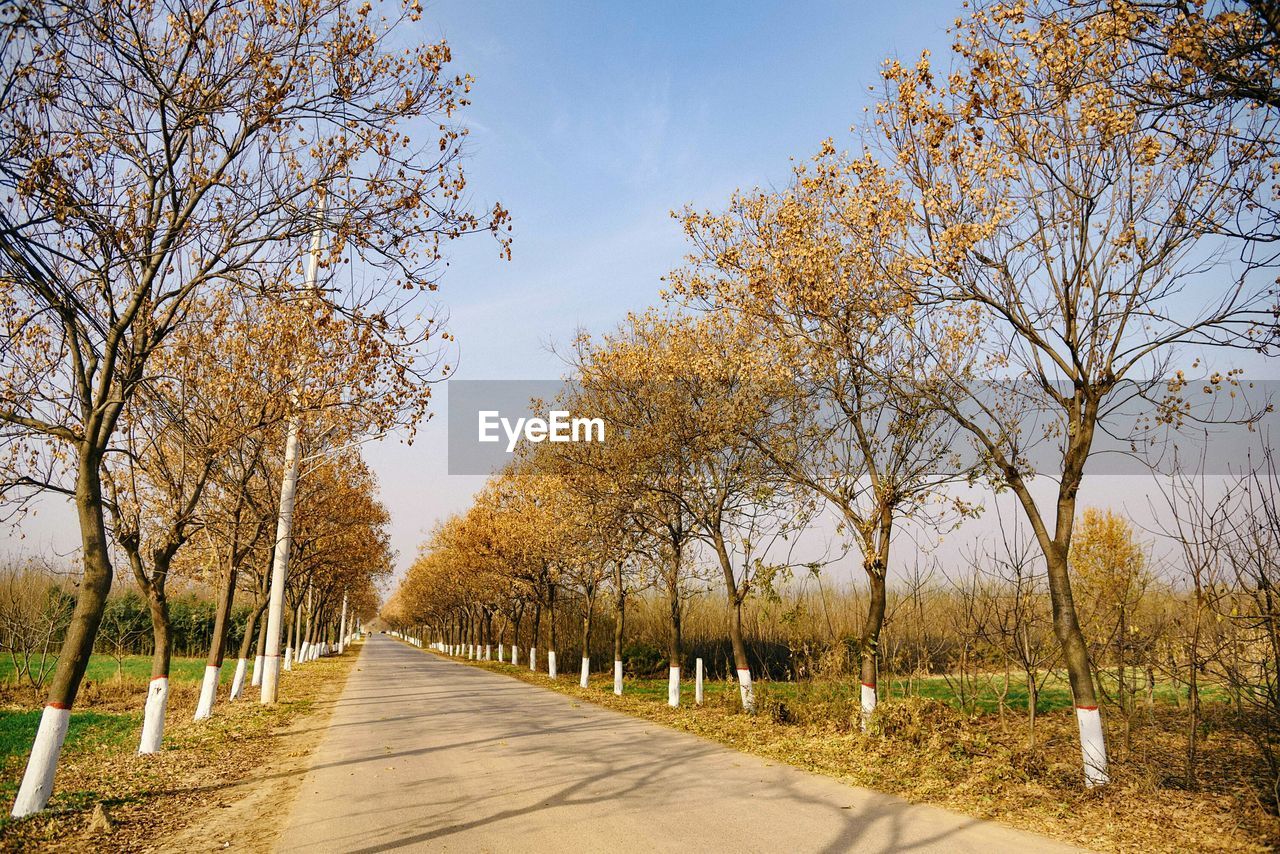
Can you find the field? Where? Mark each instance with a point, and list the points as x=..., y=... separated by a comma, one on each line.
x=103, y=668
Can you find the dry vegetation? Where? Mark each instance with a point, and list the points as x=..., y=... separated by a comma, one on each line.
x=926, y=751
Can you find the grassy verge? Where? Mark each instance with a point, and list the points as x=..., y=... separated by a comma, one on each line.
x=148, y=798
x=981, y=764
x=105, y=668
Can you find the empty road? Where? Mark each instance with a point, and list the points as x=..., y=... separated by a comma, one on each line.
x=426, y=754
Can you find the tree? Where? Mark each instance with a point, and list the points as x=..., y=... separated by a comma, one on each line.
x=153, y=152
x=1109, y=569
x=1072, y=227
x=816, y=270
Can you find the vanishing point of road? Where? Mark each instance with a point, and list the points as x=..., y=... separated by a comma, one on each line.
x=426, y=754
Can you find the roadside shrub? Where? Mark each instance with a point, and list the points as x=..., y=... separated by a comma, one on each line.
x=639, y=659
x=917, y=720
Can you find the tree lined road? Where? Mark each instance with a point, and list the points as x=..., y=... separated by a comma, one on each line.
x=424, y=753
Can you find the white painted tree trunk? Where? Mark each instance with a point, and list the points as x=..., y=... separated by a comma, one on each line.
x=284, y=535
x=237, y=681
x=1093, y=746
x=501, y=656
x=673, y=687
x=697, y=682
x=551, y=664
x=868, y=704
x=617, y=677
x=288, y=658
x=533, y=658
x=488, y=652
x=586, y=673
x=37, y=782
x=153, y=715
x=746, y=691
x=302, y=653
x=515, y=654
x=256, y=679
x=208, y=692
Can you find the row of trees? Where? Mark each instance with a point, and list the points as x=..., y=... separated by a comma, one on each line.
x=217, y=239
x=1024, y=244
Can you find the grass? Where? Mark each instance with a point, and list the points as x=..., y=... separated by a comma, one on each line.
x=87, y=730
x=926, y=750
x=103, y=668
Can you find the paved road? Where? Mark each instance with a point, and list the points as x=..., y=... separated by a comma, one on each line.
x=426, y=754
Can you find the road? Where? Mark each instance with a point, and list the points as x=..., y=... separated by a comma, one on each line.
x=427, y=754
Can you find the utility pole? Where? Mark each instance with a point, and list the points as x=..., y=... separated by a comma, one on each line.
x=284, y=524
x=280, y=567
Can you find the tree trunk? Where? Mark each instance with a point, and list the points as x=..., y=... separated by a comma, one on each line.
x=619, y=626
x=551, y=630
x=251, y=623
x=259, y=655
x=586, y=636
x=77, y=645
x=674, y=645
x=870, y=641
x=213, y=664
x=1056, y=547
x=158, y=691
x=735, y=597
x=533, y=637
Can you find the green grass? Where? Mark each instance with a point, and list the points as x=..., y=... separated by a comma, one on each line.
x=87, y=730
x=137, y=667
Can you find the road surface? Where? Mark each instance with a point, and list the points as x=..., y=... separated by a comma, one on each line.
x=427, y=754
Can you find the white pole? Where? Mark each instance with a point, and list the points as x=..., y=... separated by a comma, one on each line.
x=697, y=684
x=280, y=567
x=342, y=631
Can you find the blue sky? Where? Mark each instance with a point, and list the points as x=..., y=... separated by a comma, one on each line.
x=591, y=122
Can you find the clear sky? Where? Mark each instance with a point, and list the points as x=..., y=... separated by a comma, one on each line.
x=591, y=122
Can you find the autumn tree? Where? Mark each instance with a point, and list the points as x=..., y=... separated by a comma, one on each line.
x=1072, y=224
x=153, y=152
x=816, y=270
x=1109, y=570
